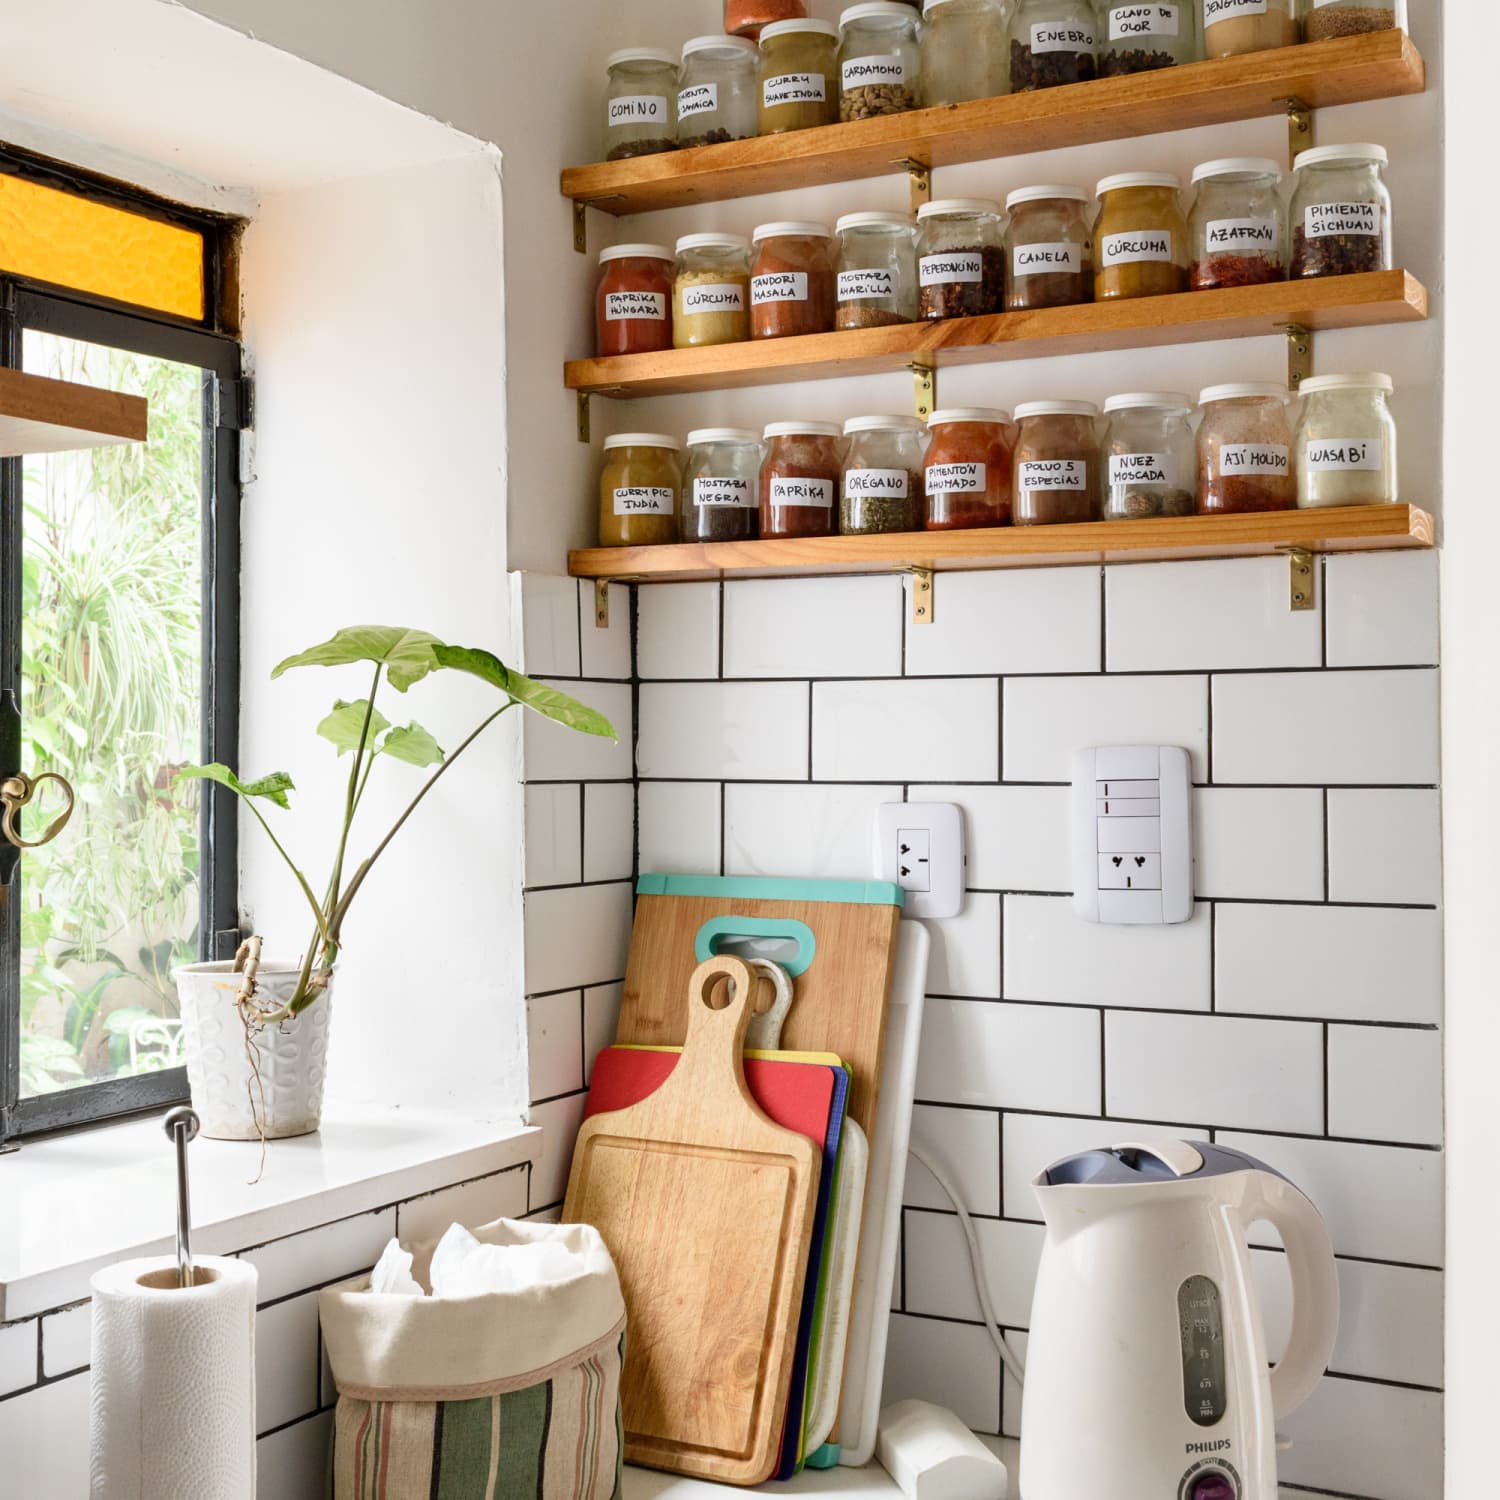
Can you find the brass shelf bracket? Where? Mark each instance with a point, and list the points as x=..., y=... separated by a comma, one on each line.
x=920, y=175
x=923, y=599
x=601, y=603
x=583, y=416
x=580, y=227
x=1299, y=127
x=1299, y=355
x=1303, y=579
x=924, y=379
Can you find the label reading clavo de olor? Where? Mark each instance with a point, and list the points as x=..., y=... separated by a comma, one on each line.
x=1334, y=455
x=1231, y=10
x=1126, y=21
x=795, y=88
x=712, y=297
x=1135, y=245
x=644, y=499
x=700, y=99
x=1050, y=36
x=628, y=306
x=1060, y=256
x=894, y=484
x=1254, y=458
x=862, y=72
x=855, y=286
x=639, y=109
x=793, y=491
x=723, y=490
x=779, y=286
x=937, y=270
x=1241, y=234
x=956, y=479
x=1053, y=474
x=1126, y=469
x=1320, y=220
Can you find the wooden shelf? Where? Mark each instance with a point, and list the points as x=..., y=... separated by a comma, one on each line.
x=1378, y=65
x=52, y=416
x=1353, y=529
x=1139, y=323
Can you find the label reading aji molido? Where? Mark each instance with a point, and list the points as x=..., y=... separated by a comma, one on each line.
x=1135, y=245
x=644, y=500
x=789, y=490
x=628, y=306
x=892, y=484
x=1053, y=474
x=795, y=88
x=723, y=490
x=713, y=296
x=1336, y=455
x=1126, y=21
x=1231, y=10
x=860, y=72
x=955, y=479
x=700, y=99
x=856, y=286
x=639, y=109
x=1320, y=220
x=1254, y=458
x=779, y=286
x=962, y=265
x=1060, y=256
x=1049, y=36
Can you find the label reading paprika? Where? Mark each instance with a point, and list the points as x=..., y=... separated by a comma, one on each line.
x=1059, y=256
x=626, y=306
x=1241, y=234
x=1336, y=455
x=860, y=71
x=1048, y=36
x=700, y=99
x=712, y=297
x=1141, y=468
x=1126, y=21
x=890, y=483
x=790, y=491
x=956, y=479
x=962, y=265
x=644, y=499
x=795, y=88
x=1254, y=458
x=779, y=286
x=1053, y=474
x=1231, y=10
x=855, y=286
x=1135, y=245
x=638, y=109
x=1320, y=220
x=711, y=489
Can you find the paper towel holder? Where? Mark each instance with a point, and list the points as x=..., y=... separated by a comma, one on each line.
x=181, y=1126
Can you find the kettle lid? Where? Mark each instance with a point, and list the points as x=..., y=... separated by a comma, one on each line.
x=1138, y=1163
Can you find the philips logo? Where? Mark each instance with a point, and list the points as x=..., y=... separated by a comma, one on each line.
x=1218, y=1447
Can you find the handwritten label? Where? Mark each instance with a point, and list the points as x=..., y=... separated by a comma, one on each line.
x=1320, y=220
x=648, y=500
x=1231, y=10
x=779, y=286
x=1126, y=21
x=1336, y=455
x=1254, y=458
x=1129, y=469
x=859, y=72
x=936, y=270
x=639, y=109
x=723, y=490
x=1241, y=234
x=1061, y=256
x=789, y=491
x=856, y=286
x=795, y=88
x=1048, y=36
x=726, y=296
x=1135, y=245
x=700, y=99
x=1053, y=474
x=627, y=306
x=887, y=483
x=956, y=479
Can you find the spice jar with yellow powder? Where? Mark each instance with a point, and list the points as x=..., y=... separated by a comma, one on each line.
x=711, y=290
x=1141, y=238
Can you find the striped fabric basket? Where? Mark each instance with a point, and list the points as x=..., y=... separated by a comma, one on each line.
x=481, y=1398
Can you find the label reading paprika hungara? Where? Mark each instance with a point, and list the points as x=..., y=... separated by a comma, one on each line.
x=639, y=109
x=856, y=286
x=1061, y=256
x=1136, y=245
x=1335, y=455
x=716, y=296
x=791, y=491
x=861, y=72
x=779, y=286
x=701, y=99
x=1320, y=220
x=795, y=88
x=956, y=479
x=1254, y=458
x=628, y=306
x=880, y=483
x=938, y=270
x=1126, y=469
x=1126, y=21
x=711, y=489
x=644, y=500
x=1048, y=36
x=1241, y=234
x=1231, y=10
x=1053, y=474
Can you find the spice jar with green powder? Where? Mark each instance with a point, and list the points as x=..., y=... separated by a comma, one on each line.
x=881, y=486
x=711, y=290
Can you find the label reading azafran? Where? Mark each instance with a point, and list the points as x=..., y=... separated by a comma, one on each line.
x=1126, y=21
x=864, y=72
x=700, y=99
x=1320, y=220
x=1053, y=474
x=891, y=484
x=714, y=296
x=779, y=286
x=795, y=88
x=938, y=270
x=1337, y=455
x=1254, y=458
x=620, y=307
x=723, y=490
x=792, y=491
x=1060, y=256
x=644, y=500
x=1241, y=234
x=639, y=109
x=1049, y=36
x=1231, y=10
x=1135, y=245
x=956, y=479
x=1126, y=469
x=860, y=286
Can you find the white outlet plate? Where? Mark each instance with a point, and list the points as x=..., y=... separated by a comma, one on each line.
x=920, y=847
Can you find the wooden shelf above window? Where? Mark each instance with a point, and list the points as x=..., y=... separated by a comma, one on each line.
x=53, y=416
x=1139, y=323
x=1377, y=65
x=1352, y=529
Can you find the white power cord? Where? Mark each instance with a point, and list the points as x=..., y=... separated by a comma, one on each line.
x=1008, y=1356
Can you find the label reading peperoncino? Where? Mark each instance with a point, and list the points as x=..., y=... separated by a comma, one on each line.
x=939, y=270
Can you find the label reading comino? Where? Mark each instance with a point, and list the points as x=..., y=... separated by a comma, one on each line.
x=1231, y=10
x=1126, y=21
x=879, y=483
x=1048, y=36
x=713, y=296
x=1241, y=234
x=714, y=489
x=1335, y=455
x=856, y=286
x=1053, y=474
x=793, y=491
x=627, y=306
x=700, y=99
x=779, y=286
x=956, y=479
x=1320, y=220
x=965, y=265
x=1059, y=256
x=1254, y=458
x=1135, y=245
x=644, y=500
x=638, y=109
x=795, y=88
x=1127, y=469
x=859, y=72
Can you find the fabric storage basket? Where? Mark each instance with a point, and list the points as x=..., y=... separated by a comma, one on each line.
x=506, y=1393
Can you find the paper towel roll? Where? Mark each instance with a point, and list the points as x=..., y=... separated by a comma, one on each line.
x=172, y=1411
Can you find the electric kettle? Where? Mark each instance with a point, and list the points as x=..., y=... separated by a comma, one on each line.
x=1146, y=1366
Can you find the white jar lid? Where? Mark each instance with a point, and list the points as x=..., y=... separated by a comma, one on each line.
x=872, y=219
x=636, y=252
x=1158, y=400
x=641, y=54
x=723, y=45
x=800, y=229
x=713, y=241
x=1138, y=179
x=930, y=5
x=786, y=28
x=1242, y=391
x=991, y=414
x=876, y=9
x=1369, y=380
x=884, y=424
x=802, y=429
x=641, y=440
x=1056, y=409
x=701, y=435
x=1237, y=166
x=941, y=207
x=1045, y=190
x=1322, y=155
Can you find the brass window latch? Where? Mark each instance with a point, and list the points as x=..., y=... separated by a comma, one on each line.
x=16, y=791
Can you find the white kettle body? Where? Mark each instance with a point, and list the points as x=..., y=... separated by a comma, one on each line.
x=1146, y=1365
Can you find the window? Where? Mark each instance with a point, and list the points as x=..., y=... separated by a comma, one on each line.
x=118, y=647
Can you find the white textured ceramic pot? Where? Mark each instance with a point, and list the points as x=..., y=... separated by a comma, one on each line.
x=291, y=1057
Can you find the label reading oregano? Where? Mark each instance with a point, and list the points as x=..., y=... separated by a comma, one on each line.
x=891, y=484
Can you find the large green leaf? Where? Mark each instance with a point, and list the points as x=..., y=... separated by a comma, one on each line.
x=407, y=655
x=541, y=699
x=344, y=726
x=273, y=787
x=413, y=744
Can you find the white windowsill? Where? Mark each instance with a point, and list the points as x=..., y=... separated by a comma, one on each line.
x=73, y=1203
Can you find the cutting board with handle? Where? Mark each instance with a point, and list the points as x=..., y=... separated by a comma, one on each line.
x=707, y=1207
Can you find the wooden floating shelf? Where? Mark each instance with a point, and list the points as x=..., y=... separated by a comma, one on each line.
x=53, y=416
x=1352, y=529
x=1138, y=323
x=1377, y=65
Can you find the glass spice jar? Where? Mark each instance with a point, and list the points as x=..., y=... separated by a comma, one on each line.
x=1141, y=238
x=1244, y=450
x=1143, y=38
x=1147, y=456
x=720, y=486
x=638, y=490
x=963, y=51
x=1051, y=43
x=749, y=17
x=1237, y=224
x=1056, y=458
x=1325, y=19
x=717, y=91
x=960, y=258
x=1346, y=441
x=1048, y=248
x=791, y=280
x=881, y=485
x=633, y=300
x=876, y=282
x=641, y=106
x=711, y=290
x=799, y=480
x=1233, y=27
x=1340, y=212
x=880, y=60
x=799, y=76
x=966, y=475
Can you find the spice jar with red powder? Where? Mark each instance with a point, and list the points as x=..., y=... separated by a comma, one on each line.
x=966, y=474
x=633, y=301
x=799, y=480
x=792, y=280
x=746, y=17
x=1237, y=227
x=1245, y=450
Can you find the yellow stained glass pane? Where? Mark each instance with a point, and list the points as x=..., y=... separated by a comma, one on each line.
x=93, y=247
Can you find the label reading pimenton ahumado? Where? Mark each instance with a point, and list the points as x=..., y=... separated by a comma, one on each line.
x=795, y=88
x=1135, y=245
x=1321, y=220
x=700, y=99
x=724, y=490
x=639, y=109
x=644, y=500
x=1254, y=458
x=956, y=479
x=1052, y=36
x=1129, y=469
x=779, y=286
x=1231, y=10
x=1341, y=455
x=789, y=490
x=1062, y=257
x=713, y=296
x=1127, y=21
x=1241, y=234
x=858, y=286
x=891, y=484
x=624, y=307
x=863, y=72
x=961, y=265
x=1053, y=474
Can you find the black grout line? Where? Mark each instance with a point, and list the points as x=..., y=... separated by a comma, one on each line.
x=1178, y=1010
x=1327, y=849
x=307, y=1416
x=1213, y=958
x=1103, y=1062
x=577, y=885
x=1327, y=1128
x=883, y=678
x=992, y=785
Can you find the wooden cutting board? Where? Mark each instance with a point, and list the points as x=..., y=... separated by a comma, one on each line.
x=707, y=1207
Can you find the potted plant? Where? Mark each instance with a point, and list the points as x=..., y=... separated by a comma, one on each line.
x=257, y=1031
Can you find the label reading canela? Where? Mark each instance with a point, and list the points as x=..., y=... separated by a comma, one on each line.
x=644, y=499
x=639, y=109
x=1241, y=234
x=856, y=286
x=1254, y=458
x=881, y=483
x=1135, y=245
x=1336, y=455
x=1231, y=10
x=1127, y=469
x=1061, y=256
x=779, y=286
x=937, y=270
x=1126, y=21
x=723, y=490
x=861, y=72
x=956, y=479
x=795, y=88
x=715, y=296
x=1049, y=36
x=1320, y=220
x=1053, y=474
x=701, y=99
x=791, y=491
x=628, y=306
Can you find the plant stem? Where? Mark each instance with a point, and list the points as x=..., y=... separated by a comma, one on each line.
x=324, y=928
x=351, y=799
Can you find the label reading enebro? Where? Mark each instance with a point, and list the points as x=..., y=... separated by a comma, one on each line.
x=1334, y=455
x=956, y=479
x=643, y=500
x=1135, y=245
x=795, y=88
x=1254, y=458
x=1048, y=36
x=638, y=109
x=892, y=483
x=789, y=491
x=779, y=286
x=965, y=265
x=1320, y=220
x=1053, y=474
x=855, y=286
x=717, y=296
x=1061, y=256
x=712, y=489
x=628, y=306
x=1126, y=21
x=701, y=99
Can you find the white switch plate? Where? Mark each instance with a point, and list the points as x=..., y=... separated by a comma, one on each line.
x=1132, y=834
x=920, y=847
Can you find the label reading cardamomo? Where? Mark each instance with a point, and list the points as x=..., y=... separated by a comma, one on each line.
x=861, y=72
x=1061, y=256
x=1231, y=10
x=1254, y=458
x=717, y=296
x=1049, y=36
x=700, y=99
x=639, y=109
x=648, y=500
x=1127, y=469
x=1335, y=455
x=1320, y=220
x=779, y=286
x=936, y=270
x=1053, y=474
x=1126, y=21
x=1135, y=245
x=1241, y=234
x=956, y=479
x=795, y=88
x=627, y=306
x=725, y=490
x=890, y=483
x=856, y=286
x=791, y=491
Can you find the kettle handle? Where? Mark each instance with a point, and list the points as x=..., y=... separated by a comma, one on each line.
x=1315, y=1291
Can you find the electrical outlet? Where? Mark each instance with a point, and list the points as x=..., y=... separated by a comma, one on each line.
x=914, y=858
x=920, y=847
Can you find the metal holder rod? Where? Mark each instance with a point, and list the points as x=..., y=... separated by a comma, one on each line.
x=181, y=1126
